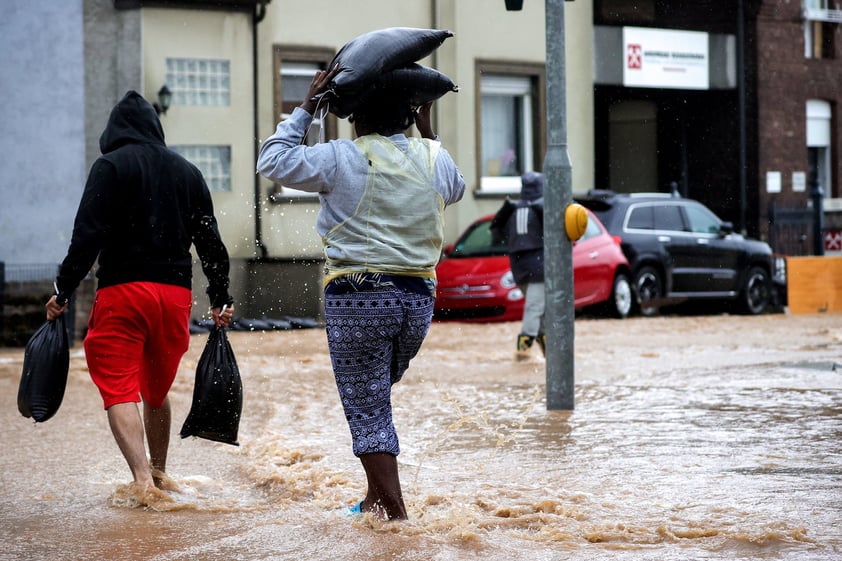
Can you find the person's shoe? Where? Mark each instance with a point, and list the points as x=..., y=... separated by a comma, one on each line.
x=353, y=510
x=524, y=343
x=541, y=339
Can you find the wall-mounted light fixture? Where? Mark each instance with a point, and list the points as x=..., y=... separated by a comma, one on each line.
x=164, y=98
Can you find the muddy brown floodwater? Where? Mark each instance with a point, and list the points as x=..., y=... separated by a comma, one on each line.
x=704, y=437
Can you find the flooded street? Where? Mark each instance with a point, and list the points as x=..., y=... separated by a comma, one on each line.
x=705, y=437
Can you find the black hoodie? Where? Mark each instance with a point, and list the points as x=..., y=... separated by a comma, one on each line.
x=142, y=208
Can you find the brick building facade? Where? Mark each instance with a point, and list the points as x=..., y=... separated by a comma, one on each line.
x=798, y=62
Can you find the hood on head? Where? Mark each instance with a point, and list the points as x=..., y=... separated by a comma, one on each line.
x=133, y=121
x=532, y=186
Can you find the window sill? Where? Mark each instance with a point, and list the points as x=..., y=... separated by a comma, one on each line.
x=499, y=186
x=280, y=195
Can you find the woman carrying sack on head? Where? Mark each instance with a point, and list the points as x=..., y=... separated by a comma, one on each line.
x=382, y=198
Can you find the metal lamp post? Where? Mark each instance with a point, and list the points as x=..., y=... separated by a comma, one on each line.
x=558, y=194
x=558, y=249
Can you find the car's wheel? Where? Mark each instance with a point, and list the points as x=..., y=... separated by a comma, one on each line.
x=650, y=288
x=622, y=297
x=756, y=293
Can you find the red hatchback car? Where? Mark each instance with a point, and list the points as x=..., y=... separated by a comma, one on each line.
x=476, y=284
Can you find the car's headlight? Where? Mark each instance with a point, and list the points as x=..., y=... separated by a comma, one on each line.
x=508, y=280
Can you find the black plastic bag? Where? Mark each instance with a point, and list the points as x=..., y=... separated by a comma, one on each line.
x=46, y=361
x=369, y=56
x=217, y=393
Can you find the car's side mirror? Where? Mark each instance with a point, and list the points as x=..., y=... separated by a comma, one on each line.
x=448, y=249
x=726, y=228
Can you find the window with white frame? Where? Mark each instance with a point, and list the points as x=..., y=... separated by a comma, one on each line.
x=213, y=161
x=295, y=81
x=294, y=71
x=821, y=21
x=196, y=81
x=819, y=121
x=510, y=135
x=824, y=10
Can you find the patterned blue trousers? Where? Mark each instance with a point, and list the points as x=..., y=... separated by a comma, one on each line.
x=375, y=325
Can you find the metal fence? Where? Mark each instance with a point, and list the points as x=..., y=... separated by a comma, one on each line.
x=791, y=230
x=24, y=288
x=30, y=272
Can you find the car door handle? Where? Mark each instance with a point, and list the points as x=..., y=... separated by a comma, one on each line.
x=664, y=239
x=593, y=254
x=702, y=241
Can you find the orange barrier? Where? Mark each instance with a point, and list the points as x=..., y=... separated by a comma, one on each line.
x=814, y=284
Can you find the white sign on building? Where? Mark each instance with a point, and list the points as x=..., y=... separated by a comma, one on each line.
x=662, y=58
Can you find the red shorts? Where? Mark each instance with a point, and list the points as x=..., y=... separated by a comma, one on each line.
x=137, y=334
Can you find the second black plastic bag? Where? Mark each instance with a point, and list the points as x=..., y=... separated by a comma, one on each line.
x=217, y=393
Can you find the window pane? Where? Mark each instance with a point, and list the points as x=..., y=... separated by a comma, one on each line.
x=213, y=161
x=506, y=130
x=591, y=231
x=500, y=129
x=641, y=218
x=702, y=221
x=294, y=88
x=295, y=80
x=479, y=242
x=199, y=81
x=669, y=218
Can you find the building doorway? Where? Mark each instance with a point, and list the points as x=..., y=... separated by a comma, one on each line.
x=633, y=146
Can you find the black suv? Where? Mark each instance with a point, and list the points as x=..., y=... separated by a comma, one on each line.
x=679, y=250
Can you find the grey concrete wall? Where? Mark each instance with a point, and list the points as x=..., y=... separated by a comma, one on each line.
x=65, y=64
x=114, y=65
x=42, y=170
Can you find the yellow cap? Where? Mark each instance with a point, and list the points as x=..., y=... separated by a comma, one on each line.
x=575, y=221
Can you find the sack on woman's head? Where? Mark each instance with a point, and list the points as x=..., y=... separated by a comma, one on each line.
x=367, y=57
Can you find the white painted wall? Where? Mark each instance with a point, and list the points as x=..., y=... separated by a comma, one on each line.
x=212, y=34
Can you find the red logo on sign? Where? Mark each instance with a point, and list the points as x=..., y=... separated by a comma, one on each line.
x=634, y=57
x=833, y=240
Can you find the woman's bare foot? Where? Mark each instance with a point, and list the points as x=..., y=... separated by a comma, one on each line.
x=164, y=481
x=135, y=495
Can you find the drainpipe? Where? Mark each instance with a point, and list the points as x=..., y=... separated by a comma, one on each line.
x=257, y=16
x=817, y=195
x=741, y=93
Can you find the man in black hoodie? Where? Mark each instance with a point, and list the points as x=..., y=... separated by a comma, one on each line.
x=142, y=208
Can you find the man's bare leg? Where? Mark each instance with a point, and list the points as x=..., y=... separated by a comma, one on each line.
x=158, y=423
x=127, y=427
x=384, y=486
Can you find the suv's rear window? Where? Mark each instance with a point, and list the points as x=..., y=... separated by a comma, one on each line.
x=656, y=217
x=641, y=218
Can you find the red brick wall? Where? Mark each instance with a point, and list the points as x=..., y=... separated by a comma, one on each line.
x=785, y=81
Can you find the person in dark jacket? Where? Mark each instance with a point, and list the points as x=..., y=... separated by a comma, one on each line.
x=521, y=225
x=142, y=209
